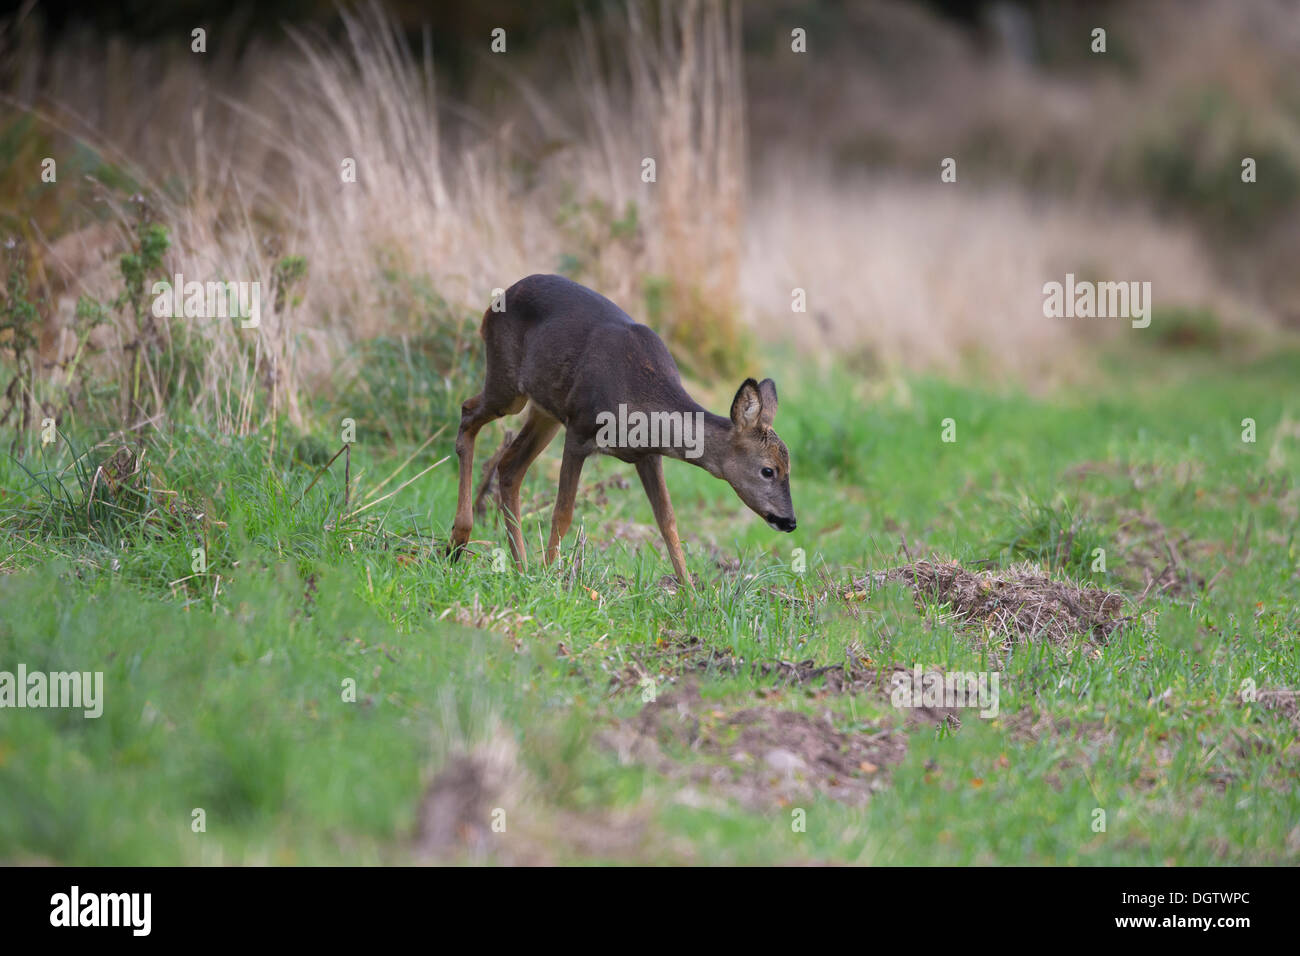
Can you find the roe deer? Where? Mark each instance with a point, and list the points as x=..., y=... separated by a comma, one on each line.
x=578, y=360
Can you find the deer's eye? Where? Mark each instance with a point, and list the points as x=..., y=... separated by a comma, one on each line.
x=768, y=473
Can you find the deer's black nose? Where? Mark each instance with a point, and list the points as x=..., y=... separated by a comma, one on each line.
x=780, y=524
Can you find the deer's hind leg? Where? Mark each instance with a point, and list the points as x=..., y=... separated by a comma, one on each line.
x=485, y=407
x=538, y=430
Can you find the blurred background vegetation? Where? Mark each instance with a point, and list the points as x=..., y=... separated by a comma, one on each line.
x=776, y=170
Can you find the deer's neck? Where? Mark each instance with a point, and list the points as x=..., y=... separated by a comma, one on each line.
x=708, y=449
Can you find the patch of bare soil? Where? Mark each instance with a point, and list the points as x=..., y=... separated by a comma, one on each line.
x=1020, y=604
x=761, y=755
x=482, y=806
x=675, y=655
x=858, y=677
x=679, y=655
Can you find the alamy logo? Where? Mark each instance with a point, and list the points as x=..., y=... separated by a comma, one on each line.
x=637, y=429
x=208, y=300
x=103, y=909
x=916, y=688
x=55, y=689
x=1102, y=300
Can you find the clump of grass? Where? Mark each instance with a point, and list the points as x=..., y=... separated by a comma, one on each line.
x=105, y=494
x=1052, y=536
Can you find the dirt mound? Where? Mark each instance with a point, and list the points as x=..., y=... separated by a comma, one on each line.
x=1019, y=603
x=758, y=755
x=457, y=810
x=484, y=806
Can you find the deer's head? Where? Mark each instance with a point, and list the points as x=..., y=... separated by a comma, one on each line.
x=756, y=462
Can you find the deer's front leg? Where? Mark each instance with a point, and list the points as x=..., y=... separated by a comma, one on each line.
x=565, y=496
x=472, y=418
x=651, y=470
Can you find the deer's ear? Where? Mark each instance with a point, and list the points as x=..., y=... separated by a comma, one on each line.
x=747, y=406
x=767, y=392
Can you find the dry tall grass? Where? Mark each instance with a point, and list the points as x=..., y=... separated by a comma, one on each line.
x=932, y=276
x=259, y=167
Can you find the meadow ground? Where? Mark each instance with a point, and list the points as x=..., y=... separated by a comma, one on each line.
x=596, y=713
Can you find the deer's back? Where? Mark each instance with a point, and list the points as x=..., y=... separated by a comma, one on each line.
x=575, y=353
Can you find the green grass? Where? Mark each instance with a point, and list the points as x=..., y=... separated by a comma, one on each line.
x=224, y=690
